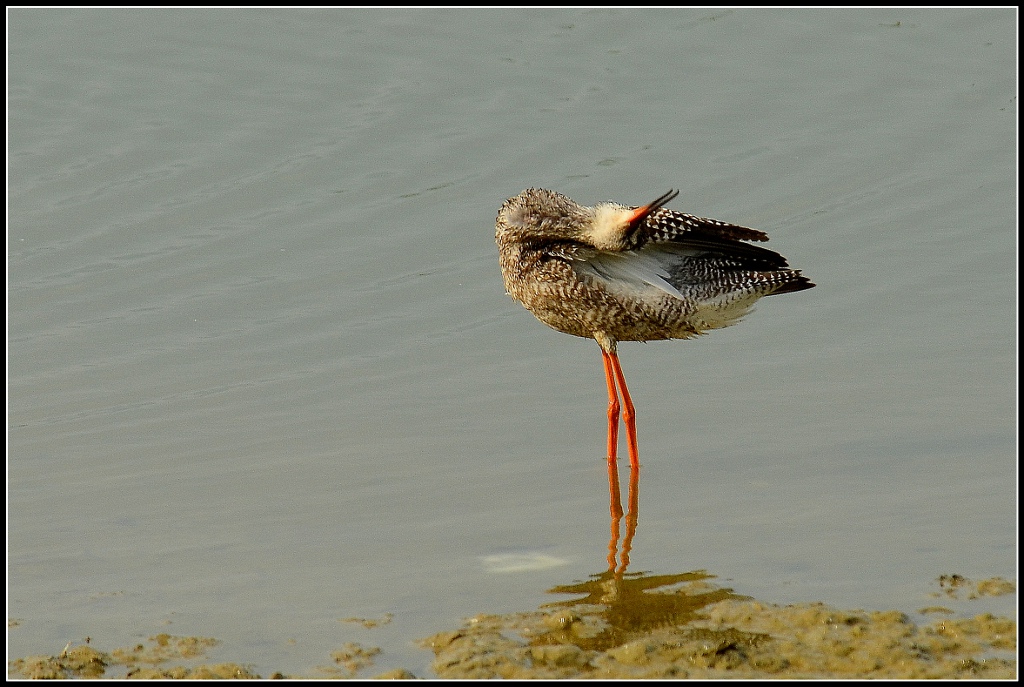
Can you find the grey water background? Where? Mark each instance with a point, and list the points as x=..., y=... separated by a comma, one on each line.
x=263, y=375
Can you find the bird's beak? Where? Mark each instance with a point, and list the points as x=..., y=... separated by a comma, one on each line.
x=642, y=213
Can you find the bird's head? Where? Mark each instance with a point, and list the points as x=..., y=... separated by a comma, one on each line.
x=541, y=215
x=615, y=227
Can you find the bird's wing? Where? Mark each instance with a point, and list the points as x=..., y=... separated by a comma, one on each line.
x=627, y=270
x=695, y=265
x=670, y=225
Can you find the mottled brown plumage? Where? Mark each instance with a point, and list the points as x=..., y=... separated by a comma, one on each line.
x=617, y=273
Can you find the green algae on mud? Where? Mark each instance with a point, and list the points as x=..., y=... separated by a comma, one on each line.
x=697, y=631
x=632, y=625
x=139, y=661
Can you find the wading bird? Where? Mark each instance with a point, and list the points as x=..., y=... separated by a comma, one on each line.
x=619, y=273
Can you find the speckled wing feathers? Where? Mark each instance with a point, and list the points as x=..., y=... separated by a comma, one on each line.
x=671, y=225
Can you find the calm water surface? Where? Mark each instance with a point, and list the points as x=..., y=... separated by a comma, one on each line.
x=262, y=373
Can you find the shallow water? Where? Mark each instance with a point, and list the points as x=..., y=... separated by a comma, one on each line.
x=262, y=374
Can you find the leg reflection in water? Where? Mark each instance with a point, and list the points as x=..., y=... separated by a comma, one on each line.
x=617, y=564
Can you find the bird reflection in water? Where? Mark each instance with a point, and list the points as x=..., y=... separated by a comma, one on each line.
x=631, y=605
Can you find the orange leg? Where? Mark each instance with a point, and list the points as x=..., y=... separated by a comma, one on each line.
x=613, y=375
x=628, y=413
x=613, y=406
x=615, y=501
